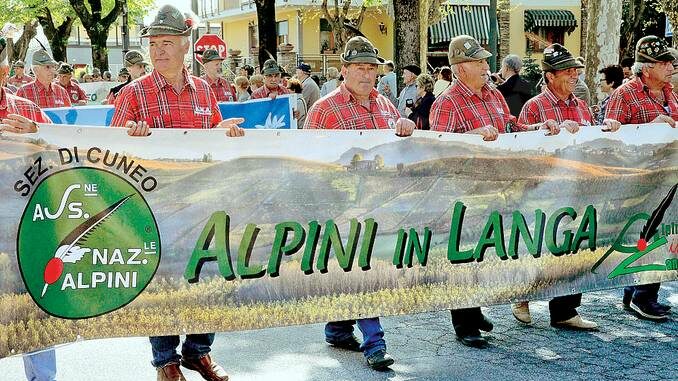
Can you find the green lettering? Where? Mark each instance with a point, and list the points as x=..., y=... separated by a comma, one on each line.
x=310, y=247
x=587, y=230
x=413, y=246
x=519, y=228
x=552, y=231
x=332, y=239
x=216, y=229
x=368, y=244
x=453, y=253
x=492, y=236
x=245, y=270
x=281, y=247
x=400, y=249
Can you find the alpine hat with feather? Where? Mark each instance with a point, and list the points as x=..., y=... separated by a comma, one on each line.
x=169, y=21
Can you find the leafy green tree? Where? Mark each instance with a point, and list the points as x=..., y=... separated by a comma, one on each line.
x=670, y=8
x=97, y=16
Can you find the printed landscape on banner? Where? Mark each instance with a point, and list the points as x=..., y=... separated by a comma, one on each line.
x=105, y=235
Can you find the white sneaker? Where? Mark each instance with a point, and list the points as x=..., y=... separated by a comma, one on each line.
x=576, y=323
x=521, y=311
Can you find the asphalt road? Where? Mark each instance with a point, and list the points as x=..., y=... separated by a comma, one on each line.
x=424, y=346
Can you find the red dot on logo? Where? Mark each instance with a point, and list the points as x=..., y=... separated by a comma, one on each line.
x=642, y=244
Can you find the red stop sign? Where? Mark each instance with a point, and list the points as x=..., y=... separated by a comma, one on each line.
x=209, y=41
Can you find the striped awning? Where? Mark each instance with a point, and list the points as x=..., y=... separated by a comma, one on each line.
x=473, y=20
x=549, y=18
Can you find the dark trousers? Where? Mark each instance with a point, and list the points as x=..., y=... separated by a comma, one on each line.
x=643, y=294
x=564, y=307
x=465, y=321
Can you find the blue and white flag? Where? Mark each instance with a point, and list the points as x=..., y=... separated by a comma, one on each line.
x=263, y=113
x=258, y=113
x=84, y=115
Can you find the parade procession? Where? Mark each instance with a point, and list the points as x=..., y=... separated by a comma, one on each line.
x=225, y=190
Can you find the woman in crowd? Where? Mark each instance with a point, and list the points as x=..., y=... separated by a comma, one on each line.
x=419, y=112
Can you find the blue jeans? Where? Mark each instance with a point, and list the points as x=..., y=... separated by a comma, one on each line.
x=165, y=348
x=40, y=366
x=643, y=294
x=373, y=333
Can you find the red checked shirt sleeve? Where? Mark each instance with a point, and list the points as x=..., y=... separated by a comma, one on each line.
x=632, y=103
x=546, y=106
x=11, y=104
x=264, y=92
x=340, y=110
x=460, y=110
x=45, y=97
x=153, y=100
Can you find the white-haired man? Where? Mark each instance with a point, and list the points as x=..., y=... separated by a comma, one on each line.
x=170, y=97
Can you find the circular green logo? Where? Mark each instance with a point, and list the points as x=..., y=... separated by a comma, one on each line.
x=87, y=244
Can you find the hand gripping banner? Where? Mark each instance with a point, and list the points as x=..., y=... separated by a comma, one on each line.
x=105, y=235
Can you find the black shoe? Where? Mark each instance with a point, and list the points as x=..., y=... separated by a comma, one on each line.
x=485, y=324
x=665, y=307
x=626, y=300
x=350, y=344
x=650, y=311
x=380, y=360
x=473, y=340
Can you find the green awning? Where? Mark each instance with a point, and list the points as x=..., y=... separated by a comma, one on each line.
x=473, y=20
x=549, y=18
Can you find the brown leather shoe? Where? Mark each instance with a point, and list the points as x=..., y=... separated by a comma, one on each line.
x=208, y=369
x=170, y=372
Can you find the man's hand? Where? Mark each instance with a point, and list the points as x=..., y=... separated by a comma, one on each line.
x=488, y=132
x=18, y=124
x=611, y=125
x=140, y=128
x=272, y=95
x=404, y=127
x=82, y=103
x=570, y=125
x=665, y=119
x=552, y=126
x=232, y=128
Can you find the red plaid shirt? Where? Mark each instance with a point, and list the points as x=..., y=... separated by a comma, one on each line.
x=152, y=99
x=264, y=92
x=20, y=81
x=547, y=106
x=75, y=92
x=224, y=91
x=632, y=103
x=45, y=97
x=460, y=110
x=340, y=110
x=11, y=104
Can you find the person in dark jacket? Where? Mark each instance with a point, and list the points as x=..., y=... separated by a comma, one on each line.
x=515, y=89
x=420, y=110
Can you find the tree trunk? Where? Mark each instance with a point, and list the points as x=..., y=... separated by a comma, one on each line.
x=97, y=27
x=19, y=48
x=57, y=35
x=493, y=36
x=268, y=42
x=99, y=49
x=602, y=40
x=407, y=38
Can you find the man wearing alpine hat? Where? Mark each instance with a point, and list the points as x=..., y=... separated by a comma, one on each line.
x=272, y=78
x=647, y=98
x=65, y=80
x=222, y=89
x=135, y=67
x=357, y=105
x=43, y=91
x=557, y=102
x=169, y=97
